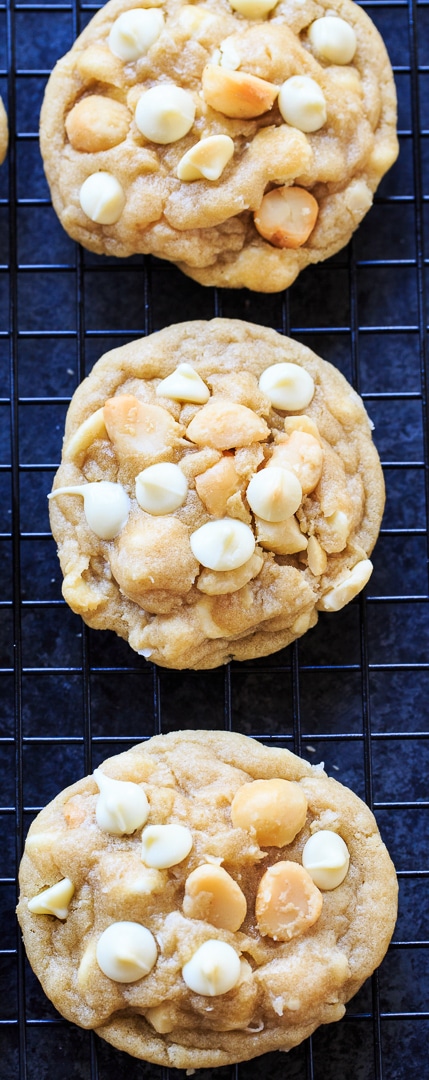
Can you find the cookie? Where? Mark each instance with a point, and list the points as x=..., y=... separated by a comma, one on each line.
x=4, y=135
x=168, y=904
x=241, y=141
x=219, y=487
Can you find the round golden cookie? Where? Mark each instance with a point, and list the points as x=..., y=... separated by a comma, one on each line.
x=4, y=134
x=181, y=986
x=209, y=523
x=241, y=140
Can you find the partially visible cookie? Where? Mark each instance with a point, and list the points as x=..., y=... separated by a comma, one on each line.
x=4, y=135
x=219, y=487
x=202, y=899
x=241, y=140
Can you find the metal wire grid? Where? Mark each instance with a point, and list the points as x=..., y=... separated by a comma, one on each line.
x=353, y=692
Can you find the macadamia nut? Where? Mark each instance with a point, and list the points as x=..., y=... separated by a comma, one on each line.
x=287, y=901
x=274, y=810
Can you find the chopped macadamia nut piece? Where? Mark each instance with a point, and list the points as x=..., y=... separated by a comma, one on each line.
x=102, y=198
x=126, y=951
x=216, y=485
x=347, y=588
x=122, y=806
x=91, y=429
x=301, y=423
x=287, y=901
x=326, y=858
x=211, y=894
x=134, y=32
x=274, y=810
x=162, y=1018
x=97, y=123
x=165, y=113
x=333, y=39
x=281, y=537
x=97, y=64
x=53, y=901
x=138, y=429
x=236, y=93
x=316, y=557
x=223, y=545
x=106, y=506
x=287, y=216
x=229, y=57
x=218, y=583
x=184, y=384
x=207, y=159
x=165, y=845
x=253, y=9
x=193, y=19
x=287, y=386
x=274, y=494
x=161, y=488
x=213, y=969
x=303, y=454
x=339, y=529
x=141, y=560
x=302, y=103
x=224, y=425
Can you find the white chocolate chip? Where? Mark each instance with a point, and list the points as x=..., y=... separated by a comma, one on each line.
x=53, y=901
x=224, y=544
x=126, y=951
x=302, y=103
x=102, y=198
x=106, y=506
x=333, y=39
x=184, y=384
x=134, y=32
x=287, y=386
x=122, y=806
x=213, y=969
x=207, y=159
x=253, y=9
x=326, y=858
x=345, y=590
x=161, y=488
x=165, y=113
x=274, y=494
x=165, y=845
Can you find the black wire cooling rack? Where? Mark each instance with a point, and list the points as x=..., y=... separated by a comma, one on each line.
x=353, y=692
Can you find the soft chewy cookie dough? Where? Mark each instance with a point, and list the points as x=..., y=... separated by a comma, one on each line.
x=4, y=135
x=219, y=487
x=202, y=899
x=241, y=140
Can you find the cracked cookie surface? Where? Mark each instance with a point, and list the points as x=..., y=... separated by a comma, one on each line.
x=219, y=487
x=267, y=991
x=174, y=144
